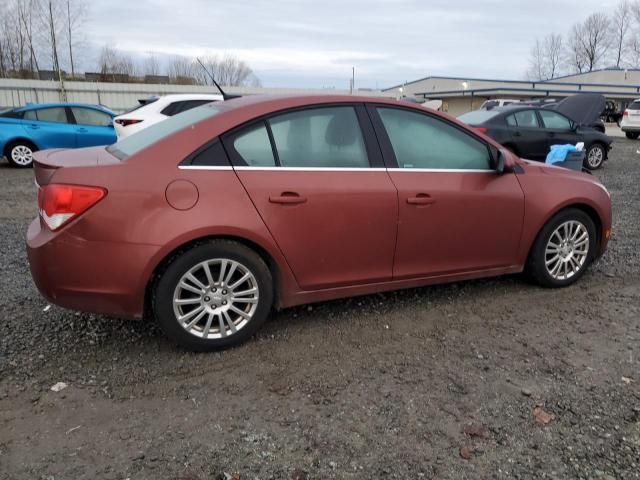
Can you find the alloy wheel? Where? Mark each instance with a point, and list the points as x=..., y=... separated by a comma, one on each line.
x=595, y=156
x=215, y=298
x=22, y=155
x=567, y=250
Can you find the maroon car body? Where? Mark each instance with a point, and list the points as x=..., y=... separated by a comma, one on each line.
x=323, y=232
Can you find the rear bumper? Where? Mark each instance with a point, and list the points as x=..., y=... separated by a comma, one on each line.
x=630, y=128
x=89, y=276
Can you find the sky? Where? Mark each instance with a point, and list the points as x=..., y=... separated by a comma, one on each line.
x=314, y=44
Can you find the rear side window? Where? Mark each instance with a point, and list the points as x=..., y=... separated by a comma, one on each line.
x=527, y=119
x=89, y=116
x=135, y=143
x=635, y=105
x=477, y=117
x=328, y=137
x=511, y=121
x=179, y=107
x=55, y=115
x=423, y=141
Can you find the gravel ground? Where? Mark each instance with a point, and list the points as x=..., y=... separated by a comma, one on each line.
x=483, y=379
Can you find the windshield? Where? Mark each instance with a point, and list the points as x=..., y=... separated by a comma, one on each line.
x=477, y=117
x=144, y=138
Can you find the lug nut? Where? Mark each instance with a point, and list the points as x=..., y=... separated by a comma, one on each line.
x=213, y=289
x=224, y=302
x=206, y=299
x=224, y=292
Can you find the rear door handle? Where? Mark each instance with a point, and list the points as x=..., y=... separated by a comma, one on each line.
x=516, y=134
x=34, y=126
x=421, y=199
x=82, y=130
x=287, y=198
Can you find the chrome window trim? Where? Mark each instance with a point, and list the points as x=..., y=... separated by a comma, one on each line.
x=332, y=169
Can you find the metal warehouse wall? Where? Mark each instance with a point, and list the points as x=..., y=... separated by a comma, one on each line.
x=123, y=96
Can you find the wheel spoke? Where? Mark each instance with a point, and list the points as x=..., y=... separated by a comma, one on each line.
x=244, y=300
x=552, y=260
x=187, y=301
x=196, y=319
x=207, y=327
x=251, y=291
x=207, y=272
x=221, y=326
x=186, y=286
x=232, y=325
x=239, y=282
x=239, y=312
x=230, y=273
x=195, y=281
x=223, y=269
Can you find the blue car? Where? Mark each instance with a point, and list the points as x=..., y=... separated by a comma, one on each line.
x=24, y=130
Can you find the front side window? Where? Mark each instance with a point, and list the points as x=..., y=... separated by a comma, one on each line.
x=555, y=120
x=56, y=115
x=423, y=141
x=527, y=119
x=511, y=121
x=88, y=116
x=328, y=137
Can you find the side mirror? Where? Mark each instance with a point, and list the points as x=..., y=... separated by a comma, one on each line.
x=499, y=166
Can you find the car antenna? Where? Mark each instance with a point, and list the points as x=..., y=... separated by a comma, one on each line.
x=225, y=96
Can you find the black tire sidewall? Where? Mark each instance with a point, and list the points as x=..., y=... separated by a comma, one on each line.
x=162, y=300
x=536, y=262
x=631, y=135
x=18, y=144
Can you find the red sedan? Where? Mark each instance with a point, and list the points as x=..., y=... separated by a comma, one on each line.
x=210, y=219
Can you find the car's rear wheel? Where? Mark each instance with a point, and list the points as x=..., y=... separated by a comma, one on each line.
x=563, y=250
x=214, y=295
x=20, y=154
x=632, y=135
x=595, y=157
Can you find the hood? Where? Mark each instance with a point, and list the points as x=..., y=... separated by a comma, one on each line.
x=583, y=108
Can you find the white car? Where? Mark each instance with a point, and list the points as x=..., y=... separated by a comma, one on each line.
x=497, y=102
x=630, y=123
x=156, y=109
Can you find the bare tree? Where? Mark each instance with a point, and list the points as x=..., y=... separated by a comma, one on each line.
x=574, y=55
x=25, y=14
x=228, y=70
x=74, y=19
x=544, y=63
x=151, y=65
x=181, y=70
x=595, y=39
x=621, y=21
x=114, y=64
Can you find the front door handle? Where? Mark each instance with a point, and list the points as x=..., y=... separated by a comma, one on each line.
x=34, y=126
x=516, y=134
x=421, y=199
x=287, y=198
x=82, y=130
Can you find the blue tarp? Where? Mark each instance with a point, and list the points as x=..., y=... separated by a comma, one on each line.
x=559, y=153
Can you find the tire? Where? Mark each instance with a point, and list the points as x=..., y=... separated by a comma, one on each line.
x=20, y=154
x=595, y=157
x=540, y=265
x=632, y=135
x=214, y=305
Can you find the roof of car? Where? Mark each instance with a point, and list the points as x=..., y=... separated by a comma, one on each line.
x=191, y=96
x=31, y=106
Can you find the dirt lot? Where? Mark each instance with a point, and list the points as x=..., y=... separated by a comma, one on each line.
x=401, y=385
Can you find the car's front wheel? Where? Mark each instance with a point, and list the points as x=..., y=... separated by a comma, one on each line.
x=595, y=157
x=632, y=135
x=20, y=154
x=563, y=250
x=213, y=295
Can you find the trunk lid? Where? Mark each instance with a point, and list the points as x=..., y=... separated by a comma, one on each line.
x=583, y=108
x=46, y=162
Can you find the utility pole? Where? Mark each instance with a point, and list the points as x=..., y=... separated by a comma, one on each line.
x=352, y=82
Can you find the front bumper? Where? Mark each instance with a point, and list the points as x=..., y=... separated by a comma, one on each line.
x=89, y=276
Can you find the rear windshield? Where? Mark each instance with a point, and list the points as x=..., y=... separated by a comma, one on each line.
x=634, y=105
x=477, y=117
x=144, y=138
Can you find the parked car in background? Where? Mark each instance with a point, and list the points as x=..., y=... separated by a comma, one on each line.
x=497, y=102
x=25, y=130
x=529, y=132
x=630, y=123
x=156, y=109
x=208, y=220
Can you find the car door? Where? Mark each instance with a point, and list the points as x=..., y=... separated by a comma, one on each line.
x=456, y=214
x=527, y=135
x=50, y=127
x=558, y=128
x=93, y=127
x=322, y=191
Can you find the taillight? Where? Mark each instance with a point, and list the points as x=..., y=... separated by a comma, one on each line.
x=126, y=121
x=59, y=204
x=480, y=129
x=625, y=114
